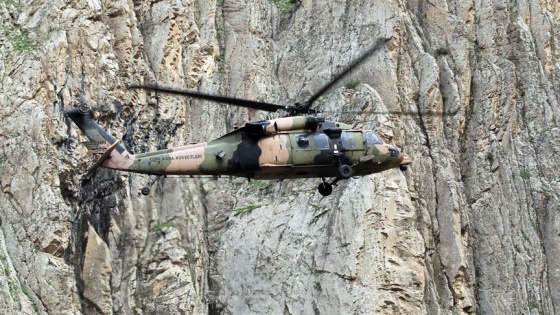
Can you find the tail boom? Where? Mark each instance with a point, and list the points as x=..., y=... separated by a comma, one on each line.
x=184, y=160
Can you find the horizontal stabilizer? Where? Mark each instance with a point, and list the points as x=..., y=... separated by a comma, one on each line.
x=102, y=159
x=96, y=147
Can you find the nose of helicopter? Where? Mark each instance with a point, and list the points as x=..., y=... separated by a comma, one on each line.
x=396, y=155
x=399, y=159
x=403, y=160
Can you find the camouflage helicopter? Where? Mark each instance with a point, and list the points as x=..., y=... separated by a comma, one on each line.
x=299, y=145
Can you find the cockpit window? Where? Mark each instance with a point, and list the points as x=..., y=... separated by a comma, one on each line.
x=348, y=141
x=322, y=142
x=372, y=138
x=303, y=142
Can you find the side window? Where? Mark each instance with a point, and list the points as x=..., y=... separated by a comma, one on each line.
x=303, y=142
x=348, y=141
x=372, y=138
x=322, y=142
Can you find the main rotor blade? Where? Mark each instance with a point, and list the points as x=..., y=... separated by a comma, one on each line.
x=346, y=71
x=216, y=98
x=390, y=112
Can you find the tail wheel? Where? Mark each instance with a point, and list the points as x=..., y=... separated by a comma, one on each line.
x=325, y=188
x=345, y=171
x=145, y=191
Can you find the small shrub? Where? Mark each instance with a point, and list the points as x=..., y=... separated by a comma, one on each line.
x=19, y=39
x=315, y=208
x=284, y=6
x=352, y=84
x=161, y=226
x=524, y=175
x=261, y=185
x=247, y=209
x=533, y=305
x=30, y=298
x=442, y=51
x=220, y=58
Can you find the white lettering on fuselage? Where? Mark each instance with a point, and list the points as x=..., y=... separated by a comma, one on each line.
x=181, y=157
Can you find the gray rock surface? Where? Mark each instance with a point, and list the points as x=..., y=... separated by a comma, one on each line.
x=472, y=227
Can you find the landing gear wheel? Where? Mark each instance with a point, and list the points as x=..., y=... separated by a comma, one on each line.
x=325, y=188
x=145, y=191
x=345, y=171
x=403, y=167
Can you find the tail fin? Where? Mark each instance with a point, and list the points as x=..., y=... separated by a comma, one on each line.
x=105, y=156
x=114, y=155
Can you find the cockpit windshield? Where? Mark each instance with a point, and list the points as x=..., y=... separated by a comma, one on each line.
x=372, y=138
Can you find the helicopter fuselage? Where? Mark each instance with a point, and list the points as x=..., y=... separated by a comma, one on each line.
x=290, y=147
x=295, y=147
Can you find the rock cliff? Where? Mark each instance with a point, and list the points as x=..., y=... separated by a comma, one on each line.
x=472, y=227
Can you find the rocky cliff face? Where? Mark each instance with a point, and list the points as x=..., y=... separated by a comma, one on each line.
x=472, y=227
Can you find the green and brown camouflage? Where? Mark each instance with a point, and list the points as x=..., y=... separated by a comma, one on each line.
x=290, y=147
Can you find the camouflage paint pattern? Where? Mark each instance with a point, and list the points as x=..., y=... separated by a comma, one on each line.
x=261, y=149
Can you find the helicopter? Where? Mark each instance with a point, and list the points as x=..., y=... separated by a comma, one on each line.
x=297, y=145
